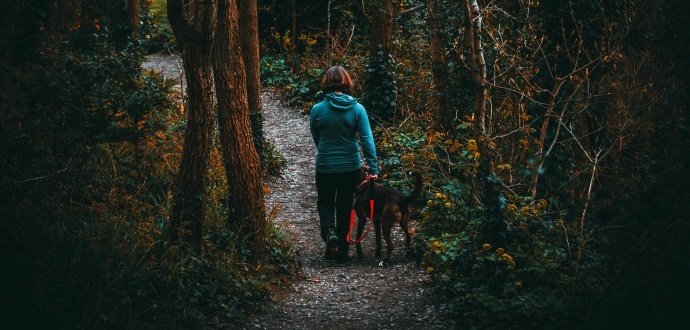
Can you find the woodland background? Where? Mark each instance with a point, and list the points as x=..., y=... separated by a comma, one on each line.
x=553, y=137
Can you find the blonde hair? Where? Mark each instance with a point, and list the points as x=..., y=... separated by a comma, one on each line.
x=337, y=79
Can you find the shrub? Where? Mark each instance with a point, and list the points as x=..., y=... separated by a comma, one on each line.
x=524, y=284
x=155, y=33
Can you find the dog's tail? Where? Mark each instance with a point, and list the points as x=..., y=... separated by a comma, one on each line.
x=418, y=185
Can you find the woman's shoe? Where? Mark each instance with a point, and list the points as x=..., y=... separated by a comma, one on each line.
x=331, y=245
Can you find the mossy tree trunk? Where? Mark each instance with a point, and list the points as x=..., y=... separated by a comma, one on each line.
x=380, y=85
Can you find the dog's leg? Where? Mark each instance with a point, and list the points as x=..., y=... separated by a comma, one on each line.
x=403, y=225
x=389, y=216
x=387, y=221
x=408, y=238
x=377, y=228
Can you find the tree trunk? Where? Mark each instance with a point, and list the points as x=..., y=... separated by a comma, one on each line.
x=328, y=28
x=133, y=11
x=249, y=39
x=493, y=228
x=194, y=29
x=382, y=26
x=381, y=89
x=293, y=36
x=240, y=158
x=68, y=12
x=439, y=68
x=539, y=156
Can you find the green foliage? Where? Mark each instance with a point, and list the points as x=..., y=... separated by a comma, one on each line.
x=523, y=284
x=275, y=162
x=568, y=260
x=300, y=90
x=155, y=33
x=275, y=71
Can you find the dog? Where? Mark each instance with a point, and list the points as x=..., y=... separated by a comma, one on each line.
x=390, y=207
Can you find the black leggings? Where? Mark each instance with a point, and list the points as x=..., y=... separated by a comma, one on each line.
x=335, y=196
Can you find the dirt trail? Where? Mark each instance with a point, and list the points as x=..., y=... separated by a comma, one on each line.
x=359, y=295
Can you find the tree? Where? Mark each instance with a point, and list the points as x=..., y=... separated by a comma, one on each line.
x=194, y=27
x=241, y=160
x=133, y=11
x=493, y=226
x=439, y=67
x=382, y=26
x=249, y=40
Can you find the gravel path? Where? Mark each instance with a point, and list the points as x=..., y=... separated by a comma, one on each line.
x=359, y=295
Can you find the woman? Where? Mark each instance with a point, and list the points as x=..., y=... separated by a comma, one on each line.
x=335, y=124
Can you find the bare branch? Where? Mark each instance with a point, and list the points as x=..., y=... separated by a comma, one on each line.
x=47, y=175
x=411, y=10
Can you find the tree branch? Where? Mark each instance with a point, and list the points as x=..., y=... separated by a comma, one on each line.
x=411, y=10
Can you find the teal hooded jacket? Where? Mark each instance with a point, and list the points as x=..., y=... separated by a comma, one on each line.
x=335, y=124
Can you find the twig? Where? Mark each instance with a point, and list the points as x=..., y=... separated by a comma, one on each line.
x=47, y=175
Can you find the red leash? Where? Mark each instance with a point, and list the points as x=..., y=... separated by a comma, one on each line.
x=370, y=179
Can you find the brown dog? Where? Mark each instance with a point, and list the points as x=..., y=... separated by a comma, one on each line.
x=390, y=206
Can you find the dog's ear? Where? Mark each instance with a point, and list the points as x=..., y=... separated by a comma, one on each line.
x=414, y=171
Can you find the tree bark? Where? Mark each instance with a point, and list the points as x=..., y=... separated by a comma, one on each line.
x=293, y=36
x=132, y=13
x=194, y=29
x=493, y=228
x=240, y=157
x=382, y=26
x=249, y=39
x=439, y=68
x=328, y=28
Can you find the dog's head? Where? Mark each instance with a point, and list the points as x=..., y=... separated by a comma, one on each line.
x=362, y=185
x=362, y=174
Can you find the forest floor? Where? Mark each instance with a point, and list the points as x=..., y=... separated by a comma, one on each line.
x=358, y=295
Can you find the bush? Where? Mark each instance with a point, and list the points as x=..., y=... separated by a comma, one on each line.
x=529, y=282
x=299, y=90
x=156, y=33
x=275, y=162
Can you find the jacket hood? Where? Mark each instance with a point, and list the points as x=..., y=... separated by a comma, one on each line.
x=341, y=102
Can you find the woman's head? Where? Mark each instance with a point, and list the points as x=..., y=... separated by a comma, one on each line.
x=337, y=79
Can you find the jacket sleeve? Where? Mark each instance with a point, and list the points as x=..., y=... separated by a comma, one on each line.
x=315, y=133
x=366, y=140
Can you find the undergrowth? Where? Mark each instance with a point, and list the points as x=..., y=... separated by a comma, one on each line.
x=526, y=283
x=90, y=144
